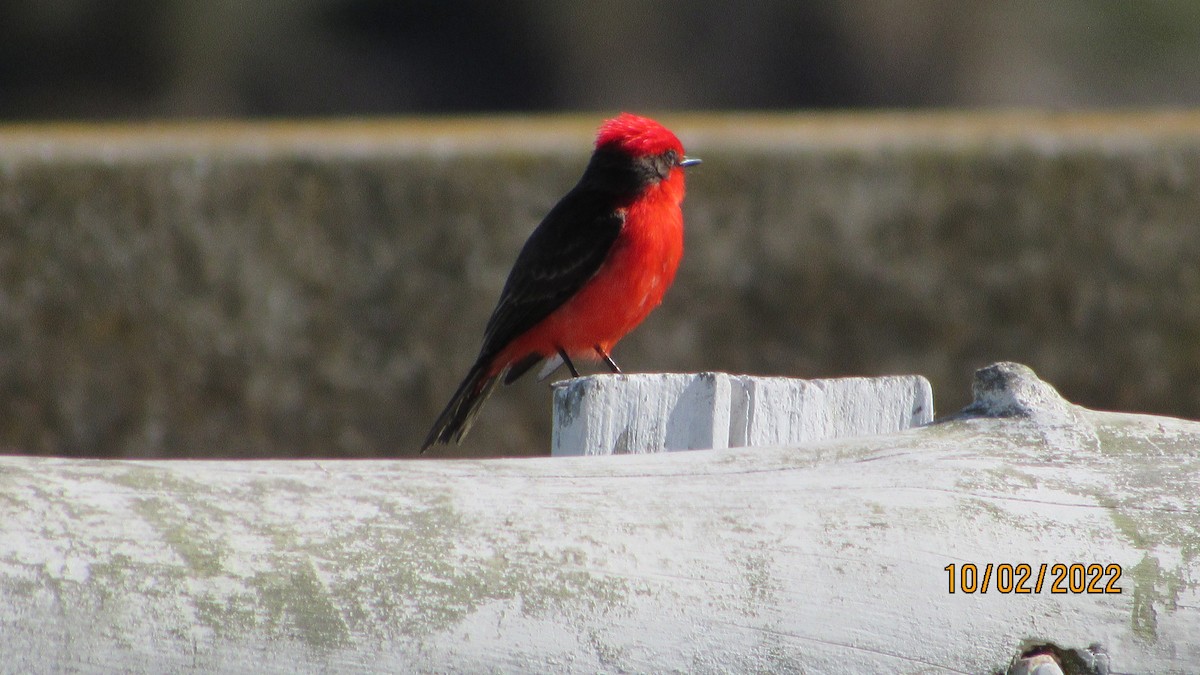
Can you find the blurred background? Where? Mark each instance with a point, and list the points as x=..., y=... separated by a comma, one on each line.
x=319, y=290
x=92, y=59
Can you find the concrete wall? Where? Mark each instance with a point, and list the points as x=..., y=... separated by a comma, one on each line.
x=319, y=289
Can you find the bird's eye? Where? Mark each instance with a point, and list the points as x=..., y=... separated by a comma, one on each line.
x=671, y=157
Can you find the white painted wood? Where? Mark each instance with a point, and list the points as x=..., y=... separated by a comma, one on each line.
x=789, y=411
x=632, y=414
x=823, y=558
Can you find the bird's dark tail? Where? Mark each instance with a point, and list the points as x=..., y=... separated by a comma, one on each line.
x=455, y=421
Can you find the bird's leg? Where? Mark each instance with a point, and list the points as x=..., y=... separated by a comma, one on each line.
x=567, y=360
x=608, y=359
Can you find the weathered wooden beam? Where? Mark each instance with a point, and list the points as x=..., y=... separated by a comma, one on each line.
x=828, y=557
x=630, y=414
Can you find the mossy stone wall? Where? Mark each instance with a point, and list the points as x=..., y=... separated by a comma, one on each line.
x=318, y=289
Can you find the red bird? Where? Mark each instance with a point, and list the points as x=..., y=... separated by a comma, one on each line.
x=594, y=268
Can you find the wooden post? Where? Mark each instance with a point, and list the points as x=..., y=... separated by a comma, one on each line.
x=632, y=414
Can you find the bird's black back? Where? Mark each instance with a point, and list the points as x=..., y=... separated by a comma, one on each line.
x=571, y=243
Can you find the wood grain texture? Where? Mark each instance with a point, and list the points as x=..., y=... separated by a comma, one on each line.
x=661, y=412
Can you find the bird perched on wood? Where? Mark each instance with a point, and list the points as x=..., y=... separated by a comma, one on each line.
x=594, y=268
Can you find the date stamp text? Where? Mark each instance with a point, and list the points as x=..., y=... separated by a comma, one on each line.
x=1033, y=578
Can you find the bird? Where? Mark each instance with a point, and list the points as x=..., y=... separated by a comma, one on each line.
x=594, y=268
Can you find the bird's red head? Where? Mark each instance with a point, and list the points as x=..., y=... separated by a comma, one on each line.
x=637, y=136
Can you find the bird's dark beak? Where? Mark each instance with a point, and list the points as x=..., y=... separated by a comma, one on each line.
x=689, y=161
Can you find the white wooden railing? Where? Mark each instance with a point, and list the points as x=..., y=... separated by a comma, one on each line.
x=934, y=549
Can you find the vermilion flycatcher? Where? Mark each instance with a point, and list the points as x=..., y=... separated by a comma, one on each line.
x=594, y=268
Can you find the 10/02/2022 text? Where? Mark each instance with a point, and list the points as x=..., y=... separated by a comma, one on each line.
x=1027, y=578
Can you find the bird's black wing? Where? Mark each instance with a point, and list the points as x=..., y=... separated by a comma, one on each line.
x=565, y=250
x=561, y=255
